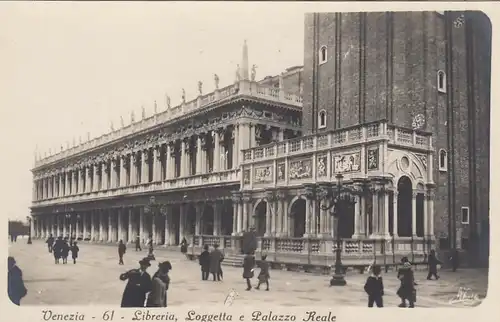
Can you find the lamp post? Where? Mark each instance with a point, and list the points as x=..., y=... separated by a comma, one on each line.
x=336, y=199
x=29, y=231
x=77, y=222
x=153, y=207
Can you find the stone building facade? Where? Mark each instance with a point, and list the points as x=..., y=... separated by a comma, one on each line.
x=427, y=71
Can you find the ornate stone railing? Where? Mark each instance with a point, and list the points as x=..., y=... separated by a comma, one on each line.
x=363, y=133
x=172, y=114
x=223, y=177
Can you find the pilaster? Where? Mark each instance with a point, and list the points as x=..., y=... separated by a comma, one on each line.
x=216, y=154
x=123, y=170
x=145, y=166
x=96, y=186
x=414, y=214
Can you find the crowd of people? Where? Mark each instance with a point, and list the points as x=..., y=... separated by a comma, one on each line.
x=142, y=290
x=61, y=247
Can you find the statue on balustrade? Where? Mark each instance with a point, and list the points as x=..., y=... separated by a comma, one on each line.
x=254, y=72
x=167, y=101
x=183, y=97
x=143, y=112
x=155, y=108
x=111, y=127
x=122, y=122
x=216, y=80
x=132, y=117
x=200, y=87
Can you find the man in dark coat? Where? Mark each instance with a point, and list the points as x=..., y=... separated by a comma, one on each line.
x=139, y=284
x=57, y=249
x=204, y=261
x=121, y=250
x=50, y=243
x=216, y=257
x=248, y=268
x=138, y=243
x=433, y=262
x=249, y=242
x=407, y=290
x=74, y=251
x=184, y=245
x=15, y=288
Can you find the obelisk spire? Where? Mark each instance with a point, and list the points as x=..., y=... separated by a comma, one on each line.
x=244, y=62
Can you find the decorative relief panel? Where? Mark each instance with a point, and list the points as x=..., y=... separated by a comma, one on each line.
x=321, y=168
x=301, y=169
x=423, y=159
x=246, y=177
x=281, y=172
x=372, y=159
x=349, y=162
x=263, y=174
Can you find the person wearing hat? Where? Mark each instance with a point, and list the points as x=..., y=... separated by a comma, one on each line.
x=158, y=295
x=216, y=257
x=248, y=268
x=264, y=273
x=204, y=260
x=138, y=285
x=15, y=287
x=407, y=290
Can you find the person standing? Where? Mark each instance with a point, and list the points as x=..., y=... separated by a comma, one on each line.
x=15, y=287
x=138, y=285
x=138, y=243
x=50, y=243
x=407, y=290
x=160, y=283
x=248, y=268
x=433, y=262
x=264, y=273
x=215, y=260
x=65, y=251
x=184, y=245
x=57, y=249
x=204, y=261
x=149, y=243
x=121, y=250
x=74, y=252
x=374, y=287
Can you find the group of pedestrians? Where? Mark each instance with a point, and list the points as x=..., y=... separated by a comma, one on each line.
x=211, y=262
x=142, y=290
x=249, y=264
x=61, y=248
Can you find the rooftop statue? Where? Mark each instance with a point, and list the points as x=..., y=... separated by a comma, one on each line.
x=216, y=80
x=156, y=108
x=143, y=112
x=122, y=121
x=132, y=117
x=200, y=87
x=254, y=72
x=183, y=98
x=167, y=99
x=238, y=77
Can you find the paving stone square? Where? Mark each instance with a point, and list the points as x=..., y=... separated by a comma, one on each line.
x=94, y=281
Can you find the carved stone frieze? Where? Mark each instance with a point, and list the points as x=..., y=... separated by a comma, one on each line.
x=321, y=168
x=246, y=176
x=349, y=162
x=263, y=174
x=300, y=169
x=281, y=172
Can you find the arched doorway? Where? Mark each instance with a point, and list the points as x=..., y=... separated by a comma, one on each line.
x=298, y=218
x=346, y=219
x=405, y=208
x=260, y=218
x=207, y=220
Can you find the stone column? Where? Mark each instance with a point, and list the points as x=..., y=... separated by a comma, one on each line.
x=95, y=186
x=375, y=212
x=308, y=218
x=236, y=150
x=216, y=154
x=199, y=152
x=385, y=219
x=104, y=178
x=100, y=219
x=182, y=220
x=253, y=142
x=154, y=217
x=49, y=187
x=269, y=205
x=121, y=231
x=81, y=182
x=115, y=165
x=84, y=224
x=167, y=225
x=61, y=185
x=184, y=157
x=157, y=163
x=357, y=216
x=395, y=214
x=123, y=170
x=131, y=235
x=133, y=168
x=141, y=224
x=246, y=200
x=286, y=219
x=145, y=166
x=109, y=214
x=217, y=218
x=235, y=201
x=93, y=230
x=170, y=160
x=414, y=214
x=430, y=212
x=65, y=230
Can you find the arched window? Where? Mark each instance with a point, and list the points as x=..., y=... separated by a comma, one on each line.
x=323, y=55
x=441, y=81
x=443, y=160
x=322, y=119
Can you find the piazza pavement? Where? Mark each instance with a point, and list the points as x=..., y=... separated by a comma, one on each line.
x=94, y=281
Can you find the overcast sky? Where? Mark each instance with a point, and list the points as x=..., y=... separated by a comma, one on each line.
x=72, y=68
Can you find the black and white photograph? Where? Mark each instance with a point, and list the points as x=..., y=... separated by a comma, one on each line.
x=169, y=154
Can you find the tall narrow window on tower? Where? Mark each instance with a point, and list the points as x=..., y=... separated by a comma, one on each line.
x=323, y=55
x=322, y=119
x=443, y=160
x=465, y=215
x=441, y=81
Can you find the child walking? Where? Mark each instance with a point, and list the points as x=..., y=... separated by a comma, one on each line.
x=374, y=287
x=264, y=273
